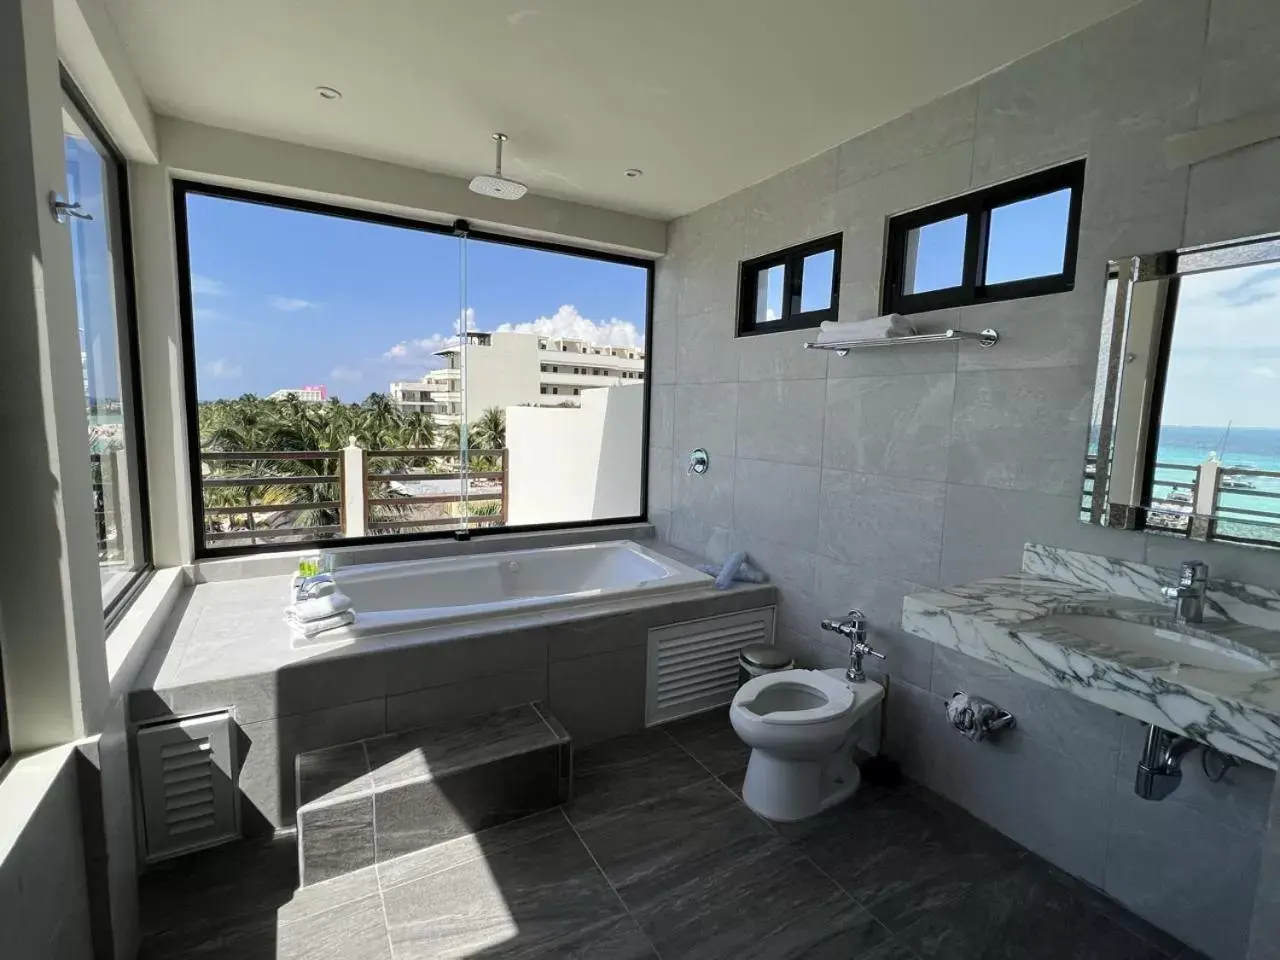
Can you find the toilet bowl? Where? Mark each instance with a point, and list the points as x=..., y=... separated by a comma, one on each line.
x=801, y=726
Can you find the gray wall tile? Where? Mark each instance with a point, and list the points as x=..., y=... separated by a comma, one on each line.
x=898, y=426
x=660, y=467
x=706, y=351
x=891, y=524
x=777, y=501
x=792, y=207
x=986, y=529
x=780, y=356
x=943, y=123
x=1055, y=719
x=1229, y=196
x=709, y=495
x=1186, y=873
x=781, y=420
x=706, y=415
x=1242, y=60
x=1021, y=429
x=662, y=416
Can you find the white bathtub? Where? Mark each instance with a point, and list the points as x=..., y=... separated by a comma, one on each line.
x=417, y=594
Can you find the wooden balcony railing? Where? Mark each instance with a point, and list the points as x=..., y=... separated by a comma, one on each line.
x=350, y=492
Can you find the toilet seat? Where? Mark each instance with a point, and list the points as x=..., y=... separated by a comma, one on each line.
x=839, y=699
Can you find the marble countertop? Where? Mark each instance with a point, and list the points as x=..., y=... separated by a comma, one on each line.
x=996, y=620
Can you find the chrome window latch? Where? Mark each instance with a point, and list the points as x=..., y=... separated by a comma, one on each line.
x=63, y=211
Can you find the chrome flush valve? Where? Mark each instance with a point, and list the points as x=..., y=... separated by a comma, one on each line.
x=854, y=626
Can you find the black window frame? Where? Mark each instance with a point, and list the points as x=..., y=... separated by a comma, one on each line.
x=792, y=261
x=182, y=187
x=978, y=206
x=129, y=355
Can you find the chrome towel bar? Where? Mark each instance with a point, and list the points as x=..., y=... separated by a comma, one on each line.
x=985, y=338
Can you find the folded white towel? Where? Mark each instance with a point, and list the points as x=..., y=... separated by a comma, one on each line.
x=317, y=608
x=878, y=328
x=310, y=628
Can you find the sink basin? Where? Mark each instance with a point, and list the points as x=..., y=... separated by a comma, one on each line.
x=1158, y=642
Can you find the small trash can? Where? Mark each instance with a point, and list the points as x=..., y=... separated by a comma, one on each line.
x=761, y=658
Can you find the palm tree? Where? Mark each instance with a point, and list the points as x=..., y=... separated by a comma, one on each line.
x=490, y=430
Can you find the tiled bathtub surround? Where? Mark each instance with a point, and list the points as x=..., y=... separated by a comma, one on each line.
x=227, y=648
x=995, y=620
x=885, y=472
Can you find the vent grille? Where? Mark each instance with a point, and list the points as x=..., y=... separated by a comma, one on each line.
x=694, y=666
x=188, y=796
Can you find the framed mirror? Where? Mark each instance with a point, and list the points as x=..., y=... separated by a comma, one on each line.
x=1185, y=430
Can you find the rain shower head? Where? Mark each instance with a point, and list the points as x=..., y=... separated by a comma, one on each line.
x=498, y=186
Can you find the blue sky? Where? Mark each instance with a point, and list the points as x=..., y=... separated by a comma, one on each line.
x=285, y=299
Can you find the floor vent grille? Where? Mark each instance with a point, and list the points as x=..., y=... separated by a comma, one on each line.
x=694, y=666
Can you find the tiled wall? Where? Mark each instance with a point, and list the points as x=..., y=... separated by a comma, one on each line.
x=853, y=480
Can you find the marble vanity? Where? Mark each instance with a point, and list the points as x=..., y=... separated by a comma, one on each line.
x=1100, y=629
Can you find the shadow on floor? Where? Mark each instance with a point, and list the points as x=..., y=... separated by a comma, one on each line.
x=658, y=857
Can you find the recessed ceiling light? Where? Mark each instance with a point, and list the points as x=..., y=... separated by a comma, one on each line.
x=329, y=93
x=635, y=172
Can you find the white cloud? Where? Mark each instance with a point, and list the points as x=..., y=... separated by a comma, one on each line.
x=223, y=369
x=568, y=322
x=205, y=313
x=290, y=304
x=1263, y=372
x=346, y=374
x=418, y=353
x=202, y=286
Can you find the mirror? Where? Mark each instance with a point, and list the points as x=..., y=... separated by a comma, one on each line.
x=1185, y=432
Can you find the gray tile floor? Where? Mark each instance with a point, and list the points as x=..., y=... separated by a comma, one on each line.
x=658, y=857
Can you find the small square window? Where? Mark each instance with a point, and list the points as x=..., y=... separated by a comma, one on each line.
x=1028, y=238
x=793, y=289
x=935, y=256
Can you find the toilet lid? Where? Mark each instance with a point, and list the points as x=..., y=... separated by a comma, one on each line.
x=839, y=698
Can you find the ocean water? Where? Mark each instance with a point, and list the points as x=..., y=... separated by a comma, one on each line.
x=1254, y=448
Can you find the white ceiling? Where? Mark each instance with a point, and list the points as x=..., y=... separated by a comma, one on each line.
x=706, y=96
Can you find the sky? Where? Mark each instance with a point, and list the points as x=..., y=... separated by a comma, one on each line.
x=285, y=299
x=1224, y=359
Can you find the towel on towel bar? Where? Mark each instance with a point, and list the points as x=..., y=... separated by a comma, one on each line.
x=890, y=325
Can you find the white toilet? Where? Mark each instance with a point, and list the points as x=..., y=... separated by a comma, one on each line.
x=802, y=726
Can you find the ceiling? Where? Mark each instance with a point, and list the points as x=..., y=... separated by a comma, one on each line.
x=705, y=96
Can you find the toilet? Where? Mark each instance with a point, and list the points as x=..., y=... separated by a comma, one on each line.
x=802, y=727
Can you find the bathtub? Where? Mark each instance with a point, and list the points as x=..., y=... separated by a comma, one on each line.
x=409, y=595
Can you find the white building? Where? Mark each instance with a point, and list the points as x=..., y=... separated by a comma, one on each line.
x=314, y=393
x=517, y=369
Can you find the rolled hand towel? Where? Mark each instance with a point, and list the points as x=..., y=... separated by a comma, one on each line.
x=310, y=628
x=737, y=567
x=317, y=608
x=890, y=325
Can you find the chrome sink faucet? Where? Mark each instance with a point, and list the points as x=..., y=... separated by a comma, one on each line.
x=1188, y=594
x=308, y=588
x=854, y=626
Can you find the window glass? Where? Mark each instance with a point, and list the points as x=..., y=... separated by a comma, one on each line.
x=935, y=256
x=1029, y=238
x=769, y=294
x=114, y=459
x=816, y=280
x=444, y=359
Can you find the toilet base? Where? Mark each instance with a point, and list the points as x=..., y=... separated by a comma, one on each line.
x=787, y=790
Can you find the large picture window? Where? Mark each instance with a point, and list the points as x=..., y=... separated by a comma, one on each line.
x=105, y=316
x=354, y=376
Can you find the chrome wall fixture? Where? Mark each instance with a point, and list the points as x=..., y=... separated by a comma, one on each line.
x=853, y=626
x=976, y=717
x=984, y=338
x=63, y=211
x=699, y=462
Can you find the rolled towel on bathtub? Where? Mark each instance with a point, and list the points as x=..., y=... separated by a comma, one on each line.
x=737, y=567
x=310, y=628
x=318, y=608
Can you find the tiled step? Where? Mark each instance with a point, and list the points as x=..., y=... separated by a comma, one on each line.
x=374, y=800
